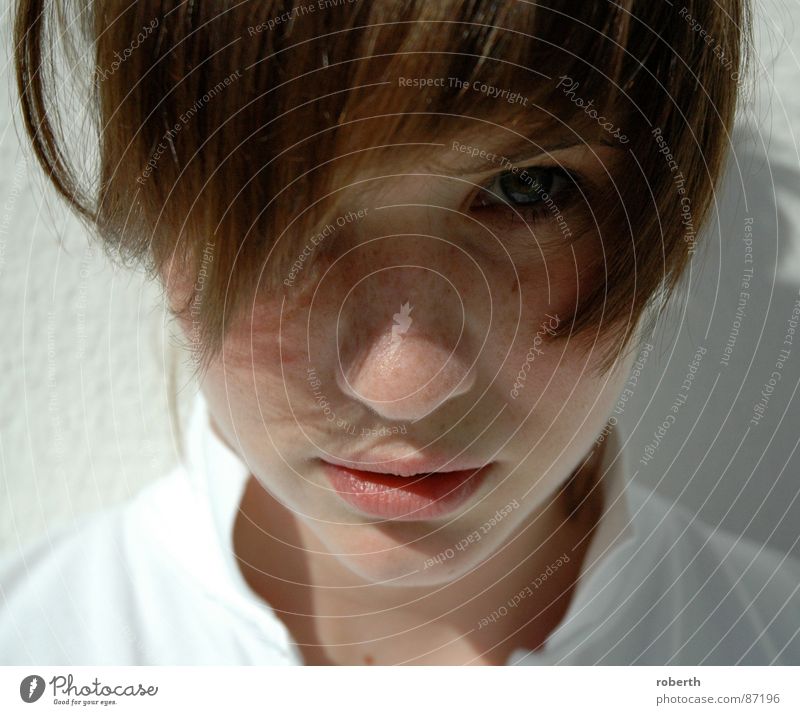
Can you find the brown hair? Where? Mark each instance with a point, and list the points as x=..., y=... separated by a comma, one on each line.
x=228, y=123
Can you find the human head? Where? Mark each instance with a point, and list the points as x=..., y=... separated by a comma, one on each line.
x=321, y=192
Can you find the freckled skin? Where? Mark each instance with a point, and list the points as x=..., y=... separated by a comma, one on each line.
x=416, y=332
x=301, y=376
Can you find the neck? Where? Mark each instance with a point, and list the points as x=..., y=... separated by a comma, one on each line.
x=336, y=617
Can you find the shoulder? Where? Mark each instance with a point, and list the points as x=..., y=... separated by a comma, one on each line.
x=120, y=589
x=704, y=595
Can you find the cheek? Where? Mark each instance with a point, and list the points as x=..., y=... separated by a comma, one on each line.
x=249, y=380
x=271, y=333
x=552, y=283
x=546, y=376
x=260, y=385
x=561, y=393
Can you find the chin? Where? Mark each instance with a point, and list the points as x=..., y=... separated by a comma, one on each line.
x=385, y=554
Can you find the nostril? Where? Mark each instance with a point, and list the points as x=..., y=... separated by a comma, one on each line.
x=406, y=378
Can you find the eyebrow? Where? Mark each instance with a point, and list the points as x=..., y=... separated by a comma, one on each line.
x=473, y=157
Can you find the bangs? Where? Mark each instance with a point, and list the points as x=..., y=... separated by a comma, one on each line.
x=229, y=129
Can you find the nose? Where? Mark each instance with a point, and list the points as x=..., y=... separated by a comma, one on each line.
x=407, y=371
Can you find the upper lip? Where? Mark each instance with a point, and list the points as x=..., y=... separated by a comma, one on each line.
x=406, y=466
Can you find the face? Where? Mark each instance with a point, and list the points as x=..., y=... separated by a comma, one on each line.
x=405, y=391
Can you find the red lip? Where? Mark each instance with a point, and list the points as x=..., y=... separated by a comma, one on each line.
x=417, y=497
x=404, y=466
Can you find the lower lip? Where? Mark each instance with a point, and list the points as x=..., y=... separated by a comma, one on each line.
x=405, y=498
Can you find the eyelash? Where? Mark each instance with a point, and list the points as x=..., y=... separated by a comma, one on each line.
x=507, y=210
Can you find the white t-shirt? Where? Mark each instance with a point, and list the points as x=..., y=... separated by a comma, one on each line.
x=155, y=582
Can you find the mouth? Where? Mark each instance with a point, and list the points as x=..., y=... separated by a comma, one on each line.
x=412, y=496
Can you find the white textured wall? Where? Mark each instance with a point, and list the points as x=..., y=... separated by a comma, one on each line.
x=83, y=394
x=743, y=477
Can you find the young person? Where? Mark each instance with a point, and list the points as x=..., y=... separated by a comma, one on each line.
x=414, y=250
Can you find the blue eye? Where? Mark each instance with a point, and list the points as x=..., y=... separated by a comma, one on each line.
x=525, y=187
